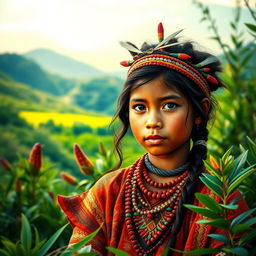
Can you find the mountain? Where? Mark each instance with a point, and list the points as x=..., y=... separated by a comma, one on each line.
x=28, y=72
x=21, y=96
x=62, y=65
x=98, y=94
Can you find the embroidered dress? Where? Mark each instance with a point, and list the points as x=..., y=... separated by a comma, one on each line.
x=105, y=204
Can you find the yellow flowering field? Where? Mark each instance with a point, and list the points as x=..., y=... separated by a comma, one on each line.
x=65, y=119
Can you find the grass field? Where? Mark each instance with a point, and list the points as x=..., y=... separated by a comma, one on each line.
x=65, y=119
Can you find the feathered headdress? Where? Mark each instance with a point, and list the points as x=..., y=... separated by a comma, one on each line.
x=157, y=55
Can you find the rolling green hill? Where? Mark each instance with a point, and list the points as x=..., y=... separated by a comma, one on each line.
x=98, y=94
x=21, y=97
x=28, y=72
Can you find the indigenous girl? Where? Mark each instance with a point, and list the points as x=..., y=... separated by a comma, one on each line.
x=167, y=102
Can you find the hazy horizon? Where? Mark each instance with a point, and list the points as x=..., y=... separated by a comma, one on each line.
x=89, y=31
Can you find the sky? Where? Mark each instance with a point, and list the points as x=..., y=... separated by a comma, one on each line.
x=90, y=30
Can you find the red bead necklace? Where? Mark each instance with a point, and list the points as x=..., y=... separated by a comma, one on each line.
x=148, y=225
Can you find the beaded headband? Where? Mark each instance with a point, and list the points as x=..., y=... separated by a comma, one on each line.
x=177, y=61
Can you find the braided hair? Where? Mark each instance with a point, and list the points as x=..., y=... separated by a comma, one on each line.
x=194, y=95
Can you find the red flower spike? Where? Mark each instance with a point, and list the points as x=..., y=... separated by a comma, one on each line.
x=18, y=187
x=6, y=165
x=160, y=31
x=83, y=161
x=35, y=157
x=68, y=178
x=206, y=69
x=212, y=79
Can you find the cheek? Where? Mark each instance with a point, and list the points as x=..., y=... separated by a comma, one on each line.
x=180, y=124
x=135, y=124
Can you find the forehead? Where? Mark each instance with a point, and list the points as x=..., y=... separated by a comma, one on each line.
x=154, y=88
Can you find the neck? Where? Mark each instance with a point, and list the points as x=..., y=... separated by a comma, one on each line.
x=172, y=160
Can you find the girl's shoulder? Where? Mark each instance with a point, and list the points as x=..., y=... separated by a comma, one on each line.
x=112, y=180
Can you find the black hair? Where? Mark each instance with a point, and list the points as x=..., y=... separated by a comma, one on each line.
x=194, y=95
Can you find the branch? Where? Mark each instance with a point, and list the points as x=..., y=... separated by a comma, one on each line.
x=250, y=9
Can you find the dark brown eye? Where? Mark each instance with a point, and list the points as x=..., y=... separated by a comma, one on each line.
x=139, y=107
x=170, y=106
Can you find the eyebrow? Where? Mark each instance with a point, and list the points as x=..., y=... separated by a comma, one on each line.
x=170, y=97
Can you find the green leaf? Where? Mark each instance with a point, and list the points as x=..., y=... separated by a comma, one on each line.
x=220, y=238
x=228, y=168
x=209, y=202
x=9, y=245
x=242, y=172
x=251, y=221
x=51, y=241
x=233, y=25
x=214, y=188
x=213, y=179
x=247, y=58
x=241, y=217
x=230, y=206
x=75, y=247
x=245, y=239
x=197, y=251
x=5, y=252
x=240, y=228
x=237, y=251
x=203, y=211
x=20, y=250
x=117, y=251
x=25, y=234
x=226, y=155
x=234, y=185
x=220, y=223
x=239, y=164
x=251, y=27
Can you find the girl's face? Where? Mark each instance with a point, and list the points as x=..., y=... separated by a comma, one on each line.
x=160, y=118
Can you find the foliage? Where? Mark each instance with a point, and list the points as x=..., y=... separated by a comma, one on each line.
x=29, y=188
x=29, y=246
x=237, y=102
x=248, y=185
x=224, y=177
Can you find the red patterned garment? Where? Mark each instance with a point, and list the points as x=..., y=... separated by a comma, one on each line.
x=104, y=205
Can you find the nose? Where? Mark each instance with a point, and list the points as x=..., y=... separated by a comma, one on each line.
x=153, y=120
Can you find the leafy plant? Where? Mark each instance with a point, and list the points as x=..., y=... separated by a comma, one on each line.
x=29, y=243
x=237, y=102
x=248, y=185
x=28, y=188
x=223, y=179
x=33, y=246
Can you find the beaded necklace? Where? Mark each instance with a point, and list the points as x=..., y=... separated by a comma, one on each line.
x=148, y=224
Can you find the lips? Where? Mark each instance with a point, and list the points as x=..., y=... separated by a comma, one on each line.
x=154, y=139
